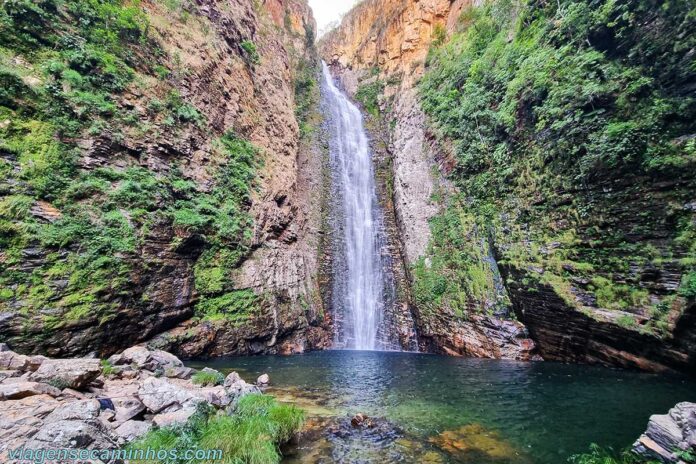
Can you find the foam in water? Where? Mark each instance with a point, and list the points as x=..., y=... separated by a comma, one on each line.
x=360, y=281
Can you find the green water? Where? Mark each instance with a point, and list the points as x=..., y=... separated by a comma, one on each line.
x=545, y=412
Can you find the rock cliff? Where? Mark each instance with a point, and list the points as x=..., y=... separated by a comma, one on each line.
x=191, y=191
x=382, y=46
x=500, y=225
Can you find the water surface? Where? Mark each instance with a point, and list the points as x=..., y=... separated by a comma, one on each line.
x=450, y=409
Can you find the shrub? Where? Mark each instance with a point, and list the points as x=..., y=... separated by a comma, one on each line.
x=368, y=96
x=251, y=54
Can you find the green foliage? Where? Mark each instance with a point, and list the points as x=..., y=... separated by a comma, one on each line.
x=368, y=96
x=547, y=104
x=688, y=285
x=208, y=378
x=598, y=455
x=107, y=369
x=234, y=306
x=306, y=94
x=251, y=54
x=251, y=435
x=456, y=272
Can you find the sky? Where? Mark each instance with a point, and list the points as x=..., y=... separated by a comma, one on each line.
x=328, y=11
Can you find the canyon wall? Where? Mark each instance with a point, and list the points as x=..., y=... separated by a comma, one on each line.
x=511, y=252
x=383, y=45
x=213, y=122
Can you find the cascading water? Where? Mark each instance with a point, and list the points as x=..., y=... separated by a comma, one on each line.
x=363, y=286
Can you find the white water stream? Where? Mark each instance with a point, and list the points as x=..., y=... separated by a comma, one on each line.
x=360, y=285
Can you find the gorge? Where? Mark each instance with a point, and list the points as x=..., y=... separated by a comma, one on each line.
x=499, y=180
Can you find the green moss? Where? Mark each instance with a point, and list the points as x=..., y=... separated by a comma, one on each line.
x=456, y=272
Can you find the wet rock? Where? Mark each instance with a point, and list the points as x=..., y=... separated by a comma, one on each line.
x=359, y=420
x=668, y=433
x=19, y=390
x=263, y=380
x=73, y=373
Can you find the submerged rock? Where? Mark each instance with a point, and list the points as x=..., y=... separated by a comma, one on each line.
x=475, y=443
x=668, y=434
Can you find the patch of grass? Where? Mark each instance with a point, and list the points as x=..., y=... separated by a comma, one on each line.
x=252, y=434
x=208, y=378
x=107, y=369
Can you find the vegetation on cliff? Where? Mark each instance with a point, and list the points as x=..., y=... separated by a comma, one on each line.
x=71, y=230
x=573, y=128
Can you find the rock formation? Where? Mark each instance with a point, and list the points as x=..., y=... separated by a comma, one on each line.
x=229, y=68
x=388, y=42
x=636, y=252
x=98, y=410
x=669, y=435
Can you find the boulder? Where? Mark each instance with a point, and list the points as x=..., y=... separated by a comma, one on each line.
x=236, y=387
x=263, y=380
x=217, y=396
x=69, y=434
x=158, y=394
x=178, y=372
x=130, y=430
x=71, y=373
x=9, y=360
x=83, y=410
x=7, y=374
x=142, y=358
x=19, y=390
x=167, y=419
x=668, y=433
x=130, y=411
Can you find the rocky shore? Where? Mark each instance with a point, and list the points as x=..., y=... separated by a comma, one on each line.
x=85, y=403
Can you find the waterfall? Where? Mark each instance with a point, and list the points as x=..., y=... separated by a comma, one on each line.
x=363, y=285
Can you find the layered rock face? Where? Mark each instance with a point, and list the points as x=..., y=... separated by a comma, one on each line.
x=227, y=71
x=383, y=44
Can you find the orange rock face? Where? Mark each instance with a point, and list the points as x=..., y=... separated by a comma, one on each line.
x=392, y=34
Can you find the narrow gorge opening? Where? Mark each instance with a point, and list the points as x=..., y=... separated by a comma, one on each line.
x=363, y=286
